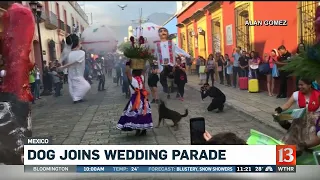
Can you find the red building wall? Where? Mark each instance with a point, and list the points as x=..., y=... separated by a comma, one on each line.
x=271, y=37
x=267, y=38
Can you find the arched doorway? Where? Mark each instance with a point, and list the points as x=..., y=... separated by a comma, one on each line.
x=37, y=54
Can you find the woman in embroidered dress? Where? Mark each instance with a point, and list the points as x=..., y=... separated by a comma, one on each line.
x=304, y=132
x=137, y=113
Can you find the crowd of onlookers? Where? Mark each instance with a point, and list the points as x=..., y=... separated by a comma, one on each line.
x=52, y=80
x=231, y=68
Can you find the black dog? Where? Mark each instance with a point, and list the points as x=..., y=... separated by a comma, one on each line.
x=166, y=113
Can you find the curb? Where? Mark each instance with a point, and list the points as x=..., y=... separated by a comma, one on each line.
x=250, y=116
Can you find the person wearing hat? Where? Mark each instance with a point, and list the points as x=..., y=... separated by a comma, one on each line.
x=165, y=48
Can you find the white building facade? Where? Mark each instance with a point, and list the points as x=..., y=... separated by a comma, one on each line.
x=61, y=17
x=58, y=20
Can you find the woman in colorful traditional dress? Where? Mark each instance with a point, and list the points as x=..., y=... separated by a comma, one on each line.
x=304, y=132
x=137, y=113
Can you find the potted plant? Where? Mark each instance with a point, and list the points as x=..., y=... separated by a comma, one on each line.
x=138, y=53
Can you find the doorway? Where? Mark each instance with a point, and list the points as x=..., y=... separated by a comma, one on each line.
x=216, y=35
x=37, y=54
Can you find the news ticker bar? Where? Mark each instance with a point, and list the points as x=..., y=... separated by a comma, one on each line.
x=161, y=169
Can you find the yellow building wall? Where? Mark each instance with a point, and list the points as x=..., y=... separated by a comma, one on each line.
x=202, y=40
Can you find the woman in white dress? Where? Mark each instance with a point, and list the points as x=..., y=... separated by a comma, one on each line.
x=78, y=86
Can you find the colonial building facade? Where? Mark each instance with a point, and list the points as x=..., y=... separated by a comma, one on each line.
x=60, y=17
x=220, y=26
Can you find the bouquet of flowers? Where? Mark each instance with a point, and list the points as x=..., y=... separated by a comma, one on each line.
x=138, y=53
x=307, y=63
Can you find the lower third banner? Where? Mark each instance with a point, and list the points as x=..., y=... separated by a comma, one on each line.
x=153, y=169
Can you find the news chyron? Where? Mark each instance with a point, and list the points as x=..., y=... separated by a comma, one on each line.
x=41, y=156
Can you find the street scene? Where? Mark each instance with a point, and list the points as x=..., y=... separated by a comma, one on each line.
x=94, y=122
x=106, y=73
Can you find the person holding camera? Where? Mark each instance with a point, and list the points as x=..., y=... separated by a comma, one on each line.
x=218, y=98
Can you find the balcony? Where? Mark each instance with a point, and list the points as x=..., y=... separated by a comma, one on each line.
x=79, y=10
x=51, y=21
x=68, y=29
x=61, y=25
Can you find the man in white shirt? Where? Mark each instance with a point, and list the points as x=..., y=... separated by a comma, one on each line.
x=166, y=49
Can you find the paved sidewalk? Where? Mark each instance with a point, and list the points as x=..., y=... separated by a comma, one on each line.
x=259, y=106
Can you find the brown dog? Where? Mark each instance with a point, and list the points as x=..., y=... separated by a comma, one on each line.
x=166, y=113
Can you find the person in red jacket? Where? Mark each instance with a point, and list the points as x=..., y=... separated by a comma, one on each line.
x=304, y=132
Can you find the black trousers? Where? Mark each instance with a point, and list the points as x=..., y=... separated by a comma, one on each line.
x=217, y=103
x=235, y=73
x=210, y=73
x=283, y=83
x=102, y=80
x=228, y=78
x=65, y=78
x=181, y=85
x=221, y=77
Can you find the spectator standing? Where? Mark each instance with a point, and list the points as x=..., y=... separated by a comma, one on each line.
x=244, y=64
x=37, y=82
x=228, y=69
x=254, y=62
x=202, y=75
x=198, y=62
x=220, y=63
x=56, y=81
x=118, y=74
x=235, y=65
x=32, y=83
x=284, y=56
x=210, y=69
x=274, y=55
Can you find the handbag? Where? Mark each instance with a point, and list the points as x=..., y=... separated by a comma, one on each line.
x=202, y=69
x=219, y=68
x=264, y=68
x=275, y=71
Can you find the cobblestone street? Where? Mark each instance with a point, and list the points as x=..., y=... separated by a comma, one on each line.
x=94, y=121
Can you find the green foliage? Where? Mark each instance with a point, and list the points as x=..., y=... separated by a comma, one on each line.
x=306, y=64
x=138, y=52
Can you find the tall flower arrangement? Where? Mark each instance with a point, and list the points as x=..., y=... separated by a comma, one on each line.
x=138, y=50
x=307, y=63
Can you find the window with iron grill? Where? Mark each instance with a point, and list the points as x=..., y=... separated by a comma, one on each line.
x=216, y=37
x=307, y=11
x=182, y=40
x=190, y=40
x=242, y=31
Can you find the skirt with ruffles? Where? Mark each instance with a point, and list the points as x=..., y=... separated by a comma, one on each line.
x=134, y=120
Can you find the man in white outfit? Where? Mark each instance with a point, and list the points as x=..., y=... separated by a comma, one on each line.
x=78, y=86
x=166, y=49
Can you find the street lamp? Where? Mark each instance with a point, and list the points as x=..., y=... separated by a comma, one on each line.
x=36, y=8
